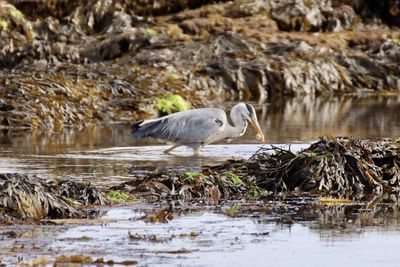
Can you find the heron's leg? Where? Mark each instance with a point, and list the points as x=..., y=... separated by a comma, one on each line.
x=171, y=148
x=196, y=151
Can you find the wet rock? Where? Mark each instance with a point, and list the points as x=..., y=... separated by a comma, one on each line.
x=313, y=16
x=155, y=7
x=42, y=9
x=373, y=12
x=115, y=46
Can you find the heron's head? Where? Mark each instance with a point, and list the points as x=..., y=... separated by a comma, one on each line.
x=249, y=114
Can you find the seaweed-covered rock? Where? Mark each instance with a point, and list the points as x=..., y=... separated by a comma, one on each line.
x=83, y=193
x=111, y=60
x=57, y=101
x=13, y=21
x=15, y=30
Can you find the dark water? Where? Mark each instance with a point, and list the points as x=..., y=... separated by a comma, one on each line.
x=106, y=154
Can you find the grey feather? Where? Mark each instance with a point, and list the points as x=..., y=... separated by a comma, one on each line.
x=190, y=127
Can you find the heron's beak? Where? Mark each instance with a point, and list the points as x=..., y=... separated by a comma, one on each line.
x=256, y=126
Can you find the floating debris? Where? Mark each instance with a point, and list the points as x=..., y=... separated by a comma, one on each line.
x=161, y=216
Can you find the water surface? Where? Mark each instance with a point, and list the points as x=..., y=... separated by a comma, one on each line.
x=107, y=154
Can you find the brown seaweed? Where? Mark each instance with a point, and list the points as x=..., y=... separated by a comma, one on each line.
x=28, y=197
x=331, y=166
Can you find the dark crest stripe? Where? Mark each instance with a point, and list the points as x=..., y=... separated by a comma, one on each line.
x=250, y=108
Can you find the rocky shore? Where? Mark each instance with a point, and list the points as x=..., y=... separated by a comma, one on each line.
x=74, y=63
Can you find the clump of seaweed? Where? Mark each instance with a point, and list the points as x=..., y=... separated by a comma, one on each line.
x=83, y=193
x=331, y=165
x=172, y=104
x=188, y=186
x=28, y=197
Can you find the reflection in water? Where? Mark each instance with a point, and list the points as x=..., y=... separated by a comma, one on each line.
x=381, y=211
x=306, y=118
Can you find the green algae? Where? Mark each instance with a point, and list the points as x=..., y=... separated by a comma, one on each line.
x=3, y=24
x=115, y=196
x=235, y=179
x=172, y=104
x=190, y=177
x=151, y=31
x=16, y=14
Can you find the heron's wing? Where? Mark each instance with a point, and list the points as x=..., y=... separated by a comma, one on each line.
x=194, y=126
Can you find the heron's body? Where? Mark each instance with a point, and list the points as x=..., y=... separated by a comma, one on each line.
x=195, y=128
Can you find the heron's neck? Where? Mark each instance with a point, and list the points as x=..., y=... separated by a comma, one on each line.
x=239, y=124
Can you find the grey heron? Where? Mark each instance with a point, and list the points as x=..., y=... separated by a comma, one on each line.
x=198, y=127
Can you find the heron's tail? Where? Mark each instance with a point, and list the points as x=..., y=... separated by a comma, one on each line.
x=142, y=129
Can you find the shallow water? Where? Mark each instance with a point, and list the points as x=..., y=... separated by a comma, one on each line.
x=206, y=238
x=106, y=155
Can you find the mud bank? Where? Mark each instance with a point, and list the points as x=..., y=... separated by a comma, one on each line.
x=73, y=63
